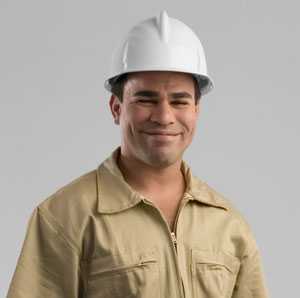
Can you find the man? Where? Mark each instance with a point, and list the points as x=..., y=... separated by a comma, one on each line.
x=141, y=225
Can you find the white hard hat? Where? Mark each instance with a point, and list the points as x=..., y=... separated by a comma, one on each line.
x=160, y=44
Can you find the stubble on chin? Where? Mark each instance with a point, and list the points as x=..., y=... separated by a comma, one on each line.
x=159, y=159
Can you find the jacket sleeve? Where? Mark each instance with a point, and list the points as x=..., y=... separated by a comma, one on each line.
x=250, y=281
x=48, y=265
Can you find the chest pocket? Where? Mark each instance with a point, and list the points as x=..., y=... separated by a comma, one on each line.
x=123, y=276
x=213, y=273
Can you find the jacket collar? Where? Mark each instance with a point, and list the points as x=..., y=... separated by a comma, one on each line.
x=115, y=194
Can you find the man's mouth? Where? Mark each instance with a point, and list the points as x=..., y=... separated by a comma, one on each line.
x=161, y=133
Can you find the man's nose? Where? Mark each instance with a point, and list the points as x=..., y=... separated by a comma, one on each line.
x=163, y=113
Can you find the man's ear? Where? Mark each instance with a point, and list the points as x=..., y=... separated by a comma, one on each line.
x=197, y=107
x=115, y=108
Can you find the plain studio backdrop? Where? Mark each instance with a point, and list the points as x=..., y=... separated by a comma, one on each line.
x=56, y=124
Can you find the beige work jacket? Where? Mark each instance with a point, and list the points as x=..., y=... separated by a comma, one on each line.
x=98, y=238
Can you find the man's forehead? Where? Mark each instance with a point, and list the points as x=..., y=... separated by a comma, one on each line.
x=159, y=79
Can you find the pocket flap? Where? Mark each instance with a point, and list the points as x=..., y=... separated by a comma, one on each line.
x=230, y=262
x=119, y=262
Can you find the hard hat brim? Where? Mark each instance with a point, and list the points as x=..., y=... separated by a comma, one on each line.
x=204, y=82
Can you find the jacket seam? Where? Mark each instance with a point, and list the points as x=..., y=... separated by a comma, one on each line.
x=59, y=230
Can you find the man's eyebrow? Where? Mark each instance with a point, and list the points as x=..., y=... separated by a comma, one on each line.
x=149, y=93
x=146, y=93
x=181, y=95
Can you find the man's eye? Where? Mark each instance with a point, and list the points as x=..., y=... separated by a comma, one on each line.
x=151, y=101
x=180, y=102
x=146, y=101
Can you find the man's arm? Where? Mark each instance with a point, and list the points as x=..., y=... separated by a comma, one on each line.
x=250, y=281
x=48, y=265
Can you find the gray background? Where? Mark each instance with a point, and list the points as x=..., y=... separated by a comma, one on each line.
x=56, y=125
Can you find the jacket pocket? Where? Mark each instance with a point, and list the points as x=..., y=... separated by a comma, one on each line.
x=123, y=276
x=213, y=273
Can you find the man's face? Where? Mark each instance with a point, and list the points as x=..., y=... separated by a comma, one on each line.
x=158, y=116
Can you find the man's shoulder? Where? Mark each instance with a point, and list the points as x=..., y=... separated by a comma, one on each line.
x=229, y=217
x=69, y=207
x=211, y=195
x=220, y=199
x=81, y=191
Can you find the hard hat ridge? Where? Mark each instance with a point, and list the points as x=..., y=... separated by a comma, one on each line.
x=163, y=24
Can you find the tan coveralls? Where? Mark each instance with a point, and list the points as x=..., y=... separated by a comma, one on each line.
x=98, y=238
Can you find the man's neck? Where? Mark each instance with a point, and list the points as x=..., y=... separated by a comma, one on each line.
x=145, y=178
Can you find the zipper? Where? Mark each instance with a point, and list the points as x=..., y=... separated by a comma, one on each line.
x=175, y=244
x=182, y=204
x=173, y=238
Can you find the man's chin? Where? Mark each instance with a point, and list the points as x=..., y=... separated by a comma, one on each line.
x=161, y=159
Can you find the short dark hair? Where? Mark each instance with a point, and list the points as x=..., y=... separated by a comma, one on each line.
x=118, y=88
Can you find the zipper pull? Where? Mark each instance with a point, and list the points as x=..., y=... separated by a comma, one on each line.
x=174, y=238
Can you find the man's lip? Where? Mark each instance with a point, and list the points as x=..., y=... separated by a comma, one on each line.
x=161, y=133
